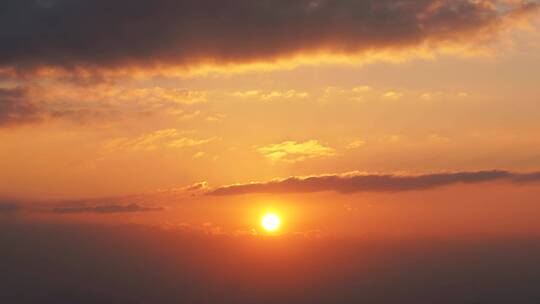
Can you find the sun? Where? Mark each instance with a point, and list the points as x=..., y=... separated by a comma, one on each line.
x=271, y=222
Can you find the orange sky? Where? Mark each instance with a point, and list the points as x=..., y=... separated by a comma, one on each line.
x=445, y=88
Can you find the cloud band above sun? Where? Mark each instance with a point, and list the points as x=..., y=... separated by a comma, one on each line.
x=106, y=34
x=349, y=183
x=384, y=183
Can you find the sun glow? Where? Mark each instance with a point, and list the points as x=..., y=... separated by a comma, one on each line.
x=271, y=222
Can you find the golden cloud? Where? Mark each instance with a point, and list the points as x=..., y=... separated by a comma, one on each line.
x=292, y=151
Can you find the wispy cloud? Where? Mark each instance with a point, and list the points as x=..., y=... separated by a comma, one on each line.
x=165, y=138
x=104, y=209
x=9, y=207
x=392, y=95
x=17, y=107
x=292, y=151
x=348, y=183
x=355, y=144
x=353, y=183
x=37, y=102
x=271, y=95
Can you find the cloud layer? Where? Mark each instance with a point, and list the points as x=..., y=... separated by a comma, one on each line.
x=292, y=151
x=16, y=108
x=104, y=33
x=372, y=183
x=165, y=138
x=104, y=209
x=8, y=207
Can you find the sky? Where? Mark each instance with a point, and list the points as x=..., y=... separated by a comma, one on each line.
x=372, y=121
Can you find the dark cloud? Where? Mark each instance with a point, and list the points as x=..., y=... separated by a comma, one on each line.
x=527, y=178
x=372, y=183
x=98, y=33
x=8, y=207
x=27, y=104
x=17, y=108
x=105, y=209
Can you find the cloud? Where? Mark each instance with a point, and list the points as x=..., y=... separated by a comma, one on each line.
x=362, y=89
x=104, y=209
x=8, y=207
x=37, y=102
x=392, y=95
x=197, y=187
x=199, y=154
x=354, y=183
x=103, y=33
x=527, y=178
x=292, y=151
x=355, y=144
x=16, y=107
x=271, y=95
x=165, y=138
x=156, y=96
